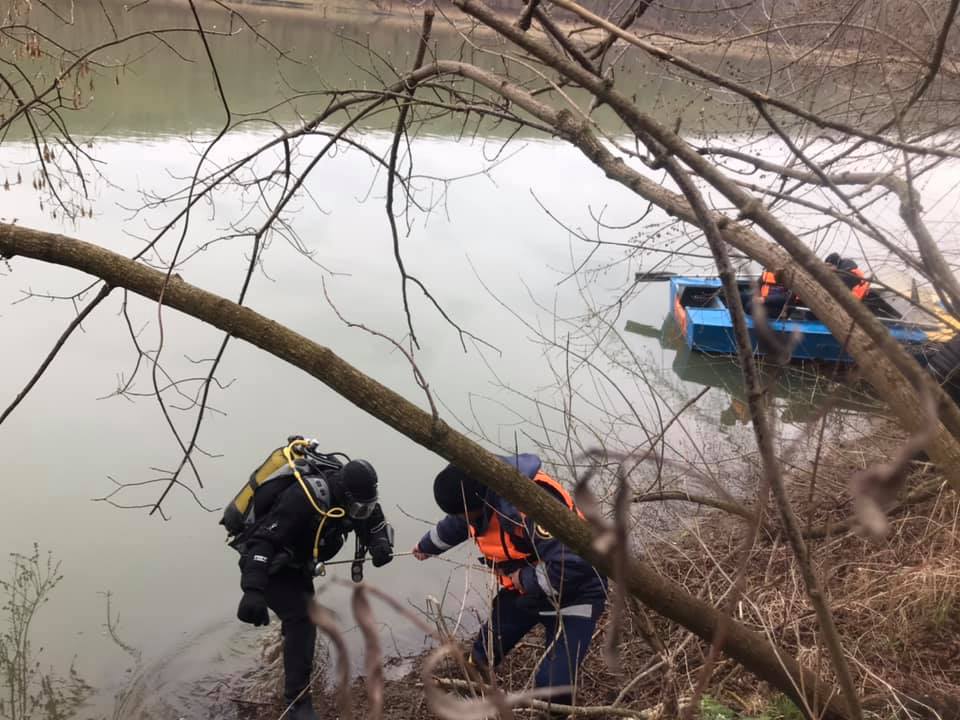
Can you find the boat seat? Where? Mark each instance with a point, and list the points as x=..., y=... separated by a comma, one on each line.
x=799, y=312
x=700, y=297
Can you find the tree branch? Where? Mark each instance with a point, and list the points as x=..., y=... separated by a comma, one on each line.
x=743, y=90
x=682, y=496
x=392, y=171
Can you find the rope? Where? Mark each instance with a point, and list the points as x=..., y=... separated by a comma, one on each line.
x=335, y=512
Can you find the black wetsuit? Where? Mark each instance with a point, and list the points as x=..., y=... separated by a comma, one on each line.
x=277, y=560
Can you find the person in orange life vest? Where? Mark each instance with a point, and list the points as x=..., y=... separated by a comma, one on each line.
x=771, y=293
x=851, y=275
x=541, y=581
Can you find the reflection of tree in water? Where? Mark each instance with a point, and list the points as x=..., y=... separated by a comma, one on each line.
x=800, y=393
x=807, y=400
x=32, y=693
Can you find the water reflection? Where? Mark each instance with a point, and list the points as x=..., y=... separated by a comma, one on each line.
x=800, y=392
x=152, y=85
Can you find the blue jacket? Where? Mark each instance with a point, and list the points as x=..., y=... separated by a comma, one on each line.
x=552, y=575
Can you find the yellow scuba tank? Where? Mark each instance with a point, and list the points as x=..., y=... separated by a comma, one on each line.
x=238, y=514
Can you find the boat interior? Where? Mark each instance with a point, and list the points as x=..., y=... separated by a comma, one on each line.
x=884, y=304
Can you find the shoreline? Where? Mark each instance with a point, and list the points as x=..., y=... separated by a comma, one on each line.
x=452, y=20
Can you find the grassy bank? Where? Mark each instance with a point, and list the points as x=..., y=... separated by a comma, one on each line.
x=896, y=603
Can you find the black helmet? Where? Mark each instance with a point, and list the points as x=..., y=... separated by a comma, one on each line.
x=359, y=483
x=455, y=491
x=833, y=259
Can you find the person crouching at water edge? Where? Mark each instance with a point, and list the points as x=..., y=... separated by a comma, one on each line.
x=541, y=580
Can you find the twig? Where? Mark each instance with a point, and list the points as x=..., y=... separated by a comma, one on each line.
x=417, y=375
x=586, y=711
x=772, y=474
x=74, y=324
x=392, y=170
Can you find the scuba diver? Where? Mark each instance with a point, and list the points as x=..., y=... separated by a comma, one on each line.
x=541, y=580
x=294, y=514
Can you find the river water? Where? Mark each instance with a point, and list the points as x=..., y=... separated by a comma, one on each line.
x=489, y=252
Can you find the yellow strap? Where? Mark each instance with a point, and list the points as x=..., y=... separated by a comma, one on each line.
x=334, y=512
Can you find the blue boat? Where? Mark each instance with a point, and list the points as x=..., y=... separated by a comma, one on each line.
x=703, y=318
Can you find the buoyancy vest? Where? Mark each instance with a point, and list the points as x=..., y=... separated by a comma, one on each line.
x=861, y=289
x=506, y=540
x=285, y=465
x=768, y=280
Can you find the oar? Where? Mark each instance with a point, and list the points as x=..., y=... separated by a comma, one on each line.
x=654, y=276
x=642, y=329
x=665, y=275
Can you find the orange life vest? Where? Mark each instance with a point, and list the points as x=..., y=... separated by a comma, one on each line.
x=767, y=281
x=498, y=543
x=861, y=289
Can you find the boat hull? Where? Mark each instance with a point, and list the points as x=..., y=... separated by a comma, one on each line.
x=709, y=329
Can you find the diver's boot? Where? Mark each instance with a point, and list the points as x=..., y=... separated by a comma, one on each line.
x=302, y=709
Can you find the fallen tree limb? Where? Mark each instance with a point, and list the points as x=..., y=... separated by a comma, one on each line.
x=652, y=713
x=680, y=496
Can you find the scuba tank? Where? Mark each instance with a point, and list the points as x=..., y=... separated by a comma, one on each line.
x=281, y=468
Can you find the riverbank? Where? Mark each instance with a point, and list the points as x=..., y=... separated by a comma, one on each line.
x=694, y=43
x=896, y=604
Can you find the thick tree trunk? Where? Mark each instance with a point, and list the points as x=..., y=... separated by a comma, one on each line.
x=752, y=650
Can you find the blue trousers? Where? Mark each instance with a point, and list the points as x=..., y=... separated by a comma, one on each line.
x=512, y=616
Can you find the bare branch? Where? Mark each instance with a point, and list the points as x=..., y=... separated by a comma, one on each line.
x=64, y=336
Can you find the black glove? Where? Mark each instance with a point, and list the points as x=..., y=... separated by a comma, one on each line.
x=253, y=608
x=381, y=553
x=380, y=545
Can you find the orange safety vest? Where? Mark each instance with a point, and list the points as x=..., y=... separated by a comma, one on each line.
x=767, y=281
x=861, y=289
x=498, y=543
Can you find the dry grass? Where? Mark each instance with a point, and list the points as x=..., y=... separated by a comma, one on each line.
x=896, y=602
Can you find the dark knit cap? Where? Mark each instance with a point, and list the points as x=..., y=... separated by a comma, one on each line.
x=455, y=491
